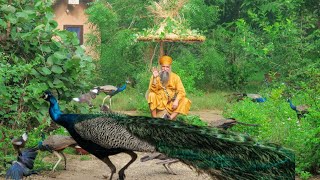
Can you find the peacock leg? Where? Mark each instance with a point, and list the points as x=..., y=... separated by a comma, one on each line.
x=110, y=165
x=105, y=99
x=59, y=156
x=171, y=171
x=65, y=160
x=110, y=102
x=168, y=170
x=133, y=158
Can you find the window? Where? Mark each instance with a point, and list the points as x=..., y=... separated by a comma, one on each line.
x=77, y=29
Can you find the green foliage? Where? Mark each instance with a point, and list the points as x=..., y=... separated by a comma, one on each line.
x=201, y=16
x=278, y=123
x=244, y=40
x=305, y=175
x=36, y=57
x=120, y=57
x=189, y=75
x=192, y=119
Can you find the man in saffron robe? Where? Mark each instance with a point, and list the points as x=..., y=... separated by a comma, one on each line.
x=166, y=91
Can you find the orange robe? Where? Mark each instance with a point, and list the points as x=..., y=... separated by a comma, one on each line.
x=158, y=99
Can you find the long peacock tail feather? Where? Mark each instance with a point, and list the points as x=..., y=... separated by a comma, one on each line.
x=220, y=153
x=16, y=171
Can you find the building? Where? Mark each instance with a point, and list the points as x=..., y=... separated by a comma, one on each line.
x=70, y=15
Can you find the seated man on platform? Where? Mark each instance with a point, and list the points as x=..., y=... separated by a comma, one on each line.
x=166, y=91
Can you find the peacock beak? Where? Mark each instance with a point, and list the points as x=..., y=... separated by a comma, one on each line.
x=44, y=96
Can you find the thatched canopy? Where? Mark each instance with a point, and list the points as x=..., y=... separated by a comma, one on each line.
x=170, y=26
x=171, y=37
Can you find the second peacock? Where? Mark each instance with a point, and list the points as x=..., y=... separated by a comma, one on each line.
x=221, y=154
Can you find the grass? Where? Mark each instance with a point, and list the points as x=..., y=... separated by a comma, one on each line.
x=128, y=100
x=209, y=101
x=85, y=158
x=134, y=100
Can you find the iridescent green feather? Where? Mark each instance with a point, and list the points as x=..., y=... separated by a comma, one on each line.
x=220, y=153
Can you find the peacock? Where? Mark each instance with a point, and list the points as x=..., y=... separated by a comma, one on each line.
x=23, y=167
x=301, y=110
x=87, y=97
x=19, y=142
x=228, y=123
x=255, y=97
x=56, y=144
x=219, y=153
x=110, y=91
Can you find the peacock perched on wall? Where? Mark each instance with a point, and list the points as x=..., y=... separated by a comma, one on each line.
x=219, y=153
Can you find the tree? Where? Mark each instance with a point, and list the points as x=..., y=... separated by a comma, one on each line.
x=34, y=57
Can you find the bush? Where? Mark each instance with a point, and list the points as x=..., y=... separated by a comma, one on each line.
x=278, y=123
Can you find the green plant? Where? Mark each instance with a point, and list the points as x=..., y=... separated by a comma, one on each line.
x=304, y=175
x=84, y=158
x=192, y=119
x=36, y=57
x=278, y=123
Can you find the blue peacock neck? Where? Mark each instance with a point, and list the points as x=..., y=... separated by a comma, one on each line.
x=291, y=105
x=122, y=88
x=54, y=109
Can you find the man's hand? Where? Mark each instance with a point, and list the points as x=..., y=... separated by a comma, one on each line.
x=155, y=72
x=175, y=104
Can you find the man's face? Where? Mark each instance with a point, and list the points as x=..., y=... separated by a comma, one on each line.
x=166, y=68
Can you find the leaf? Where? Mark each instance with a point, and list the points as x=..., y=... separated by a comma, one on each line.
x=45, y=48
x=8, y=9
x=59, y=55
x=46, y=71
x=41, y=26
x=22, y=15
x=56, y=69
x=12, y=19
x=3, y=23
x=58, y=83
x=50, y=84
x=50, y=60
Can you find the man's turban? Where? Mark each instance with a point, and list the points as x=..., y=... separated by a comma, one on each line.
x=165, y=60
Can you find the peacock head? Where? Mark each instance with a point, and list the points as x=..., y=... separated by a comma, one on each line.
x=25, y=136
x=46, y=95
x=95, y=90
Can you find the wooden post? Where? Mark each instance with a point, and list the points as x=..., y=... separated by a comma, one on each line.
x=161, y=51
x=8, y=23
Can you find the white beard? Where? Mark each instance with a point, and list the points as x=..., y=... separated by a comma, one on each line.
x=164, y=77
